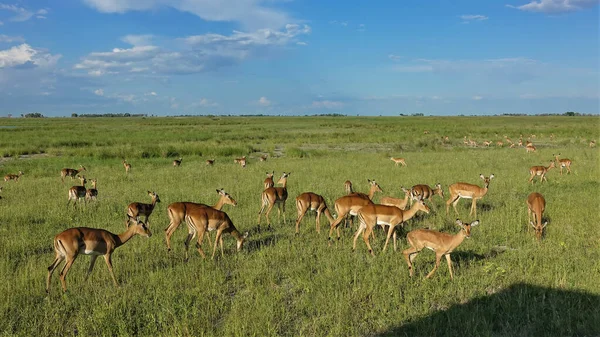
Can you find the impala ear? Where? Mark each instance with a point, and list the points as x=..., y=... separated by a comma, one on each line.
x=545, y=224
x=458, y=222
x=532, y=224
x=491, y=176
x=481, y=176
x=475, y=223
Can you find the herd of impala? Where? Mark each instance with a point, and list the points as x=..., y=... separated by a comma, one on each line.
x=201, y=219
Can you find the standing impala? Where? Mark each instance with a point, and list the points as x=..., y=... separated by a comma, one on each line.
x=178, y=210
x=314, y=202
x=127, y=167
x=89, y=241
x=398, y=161
x=540, y=171
x=467, y=191
x=536, y=204
x=269, y=180
x=77, y=193
x=563, y=163
x=530, y=148
x=67, y=172
x=240, y=161
x=348, y=187
x=400, y=203
x=92, y=193
x=272, y=196
x=349, y=205
x=14, y=177
x=441, y=243
x=210, y=162
x=372, y=215
x=424, y=192
x=135, y=209
x=263, y=157
x=177, y=162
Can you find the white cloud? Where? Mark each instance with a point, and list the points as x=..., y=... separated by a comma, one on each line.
x=394, y=57
x=99, y=92
x=263, y=101
x=203, y=103
x=25, y=56
x=361, y=27
x=23, y=14
x=10, y=39
x=1, y=23
x=327, y=104
x=477, y=98
x=556, y=6
x=252, y=14
x=151, y=93
x=469, y=18
x=138, y=40
x=300, y=43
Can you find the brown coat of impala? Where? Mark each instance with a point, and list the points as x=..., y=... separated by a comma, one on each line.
x=563, y=163
x=177, y=162
x=210, y=162
x=398, y=161
x=136, y=209
x=240, y=161
x=269, y=180
x=14, y=177
x=68, y=172
x=127, y=167
x=441, y=243
x=178, y=210
x=540, y=171
x=89, y=241
x=424, y=192
x=400, y=203
x=77, y=193
x=274, y=196
x=468, y=191
x=536, y=204
x=348, y=187
x=314, y=202
x=92, y=193
x=373, y=215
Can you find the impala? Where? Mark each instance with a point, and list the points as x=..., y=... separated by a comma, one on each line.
x=472, y=143
x=467, y=191
x=203, y=219
x=272, y=196
x=210, y=162
x=372, y=215
x=487, y=143
x=92, y=193
x=178, y=210
x=127, y=167
x=499, y=143
x=563, y=163
x=241, y=161
x=263, y=157
x=269, y=180
x=398, y=161
x=424, y=192
x=77, y=192
x=400, y=203
x=530, y=148
x=465, y=141
x=135, y=209
x=348, y=187
x=89, y=241
x=349, y=205
x=540, y=171
x=177, y=162
x=67, y=172
x=536, y=204
x=14, y=177
x=592, y=143
x=441, y=243
x=314, y=202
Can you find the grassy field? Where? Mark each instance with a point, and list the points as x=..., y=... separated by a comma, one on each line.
x=506, y=282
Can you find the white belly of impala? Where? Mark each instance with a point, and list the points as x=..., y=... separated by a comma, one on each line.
x=91, y=252
x=383, y=223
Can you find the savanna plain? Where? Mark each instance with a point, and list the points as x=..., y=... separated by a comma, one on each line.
x=506, y=282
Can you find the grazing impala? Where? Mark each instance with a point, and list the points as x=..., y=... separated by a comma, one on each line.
x=272, y=196
x=372, y=215
x=77, y=192
x=241, y=161
x=269, y=180
x=200, y=220
x=349, y=205
x=441, y=243
x=210, y=162
x=89, y=241
x=540, y=171
x=67, y=172
x=467, y=191
x=314, y=202
x=536, y=204
x=177, y=162
x=263, y=157
x=92, y=193
x=135, y=209
x=178, y=210
x=398, y=161
x=14, y=177
x=400, y=203
x=348, y=187
x=424, y=192
x=563, y=163
x=127, y=167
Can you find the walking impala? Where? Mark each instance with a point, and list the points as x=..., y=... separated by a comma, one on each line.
x=372, y=215
x=77, y=193
x=89, y=241
x=540, y=171
x=135, y=209
x=467, y=191
x=424, y=192
x=14, y=177
x=563, y=163
x=274, y=195
x=178, y=210
x=536, y=204
x=67, y=172
x=269, y=180
x=398, y=161
x=441, y=243
x=314, y=202
x=400, y=203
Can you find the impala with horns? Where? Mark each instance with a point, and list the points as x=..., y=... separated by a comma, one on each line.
x=274, y=195
x=89, y=241
x=349, y=205
x=536, y=204
x=67, y=172
x=540, y=171
x=92, y=193
x=77, y=193
x=269, y=180
x=240, y=161
x=136, y=209
x=398, y=161
x=563, y=163
x=441, y=243
x=424, y=192
x=178, y=210
x=127, y=167
x=314, y=202
x=372, y=215
x=397, y=202
x=14, y=177
x=468, y=191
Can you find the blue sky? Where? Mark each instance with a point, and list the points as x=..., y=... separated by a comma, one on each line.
x=299, y=57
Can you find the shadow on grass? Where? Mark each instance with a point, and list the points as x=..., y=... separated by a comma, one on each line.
x=520, y=310
x=269, y=240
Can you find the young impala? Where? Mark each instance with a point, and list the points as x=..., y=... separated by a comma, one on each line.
x=540, y=171
x=177, y=162
x=398, y=161
x=467, y=191
x=563, y=163
x=89, y=241
x=92, y=193
x=77, y=193
x=67, y=172
x=400, y=203
x=135, y=209
x=269, y=180
x=314, y=202
x=240, y=161
x=536, y=204
x=372, y=215
x=274, y=195
x=178, y=210
x=127, y=167
x=424, y=192
x=14, y=177
x=441, y=243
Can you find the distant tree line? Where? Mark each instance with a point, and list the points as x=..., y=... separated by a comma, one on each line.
x=32, y=115
x=109, y=115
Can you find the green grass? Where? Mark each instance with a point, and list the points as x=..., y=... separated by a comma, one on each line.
x=506, y=283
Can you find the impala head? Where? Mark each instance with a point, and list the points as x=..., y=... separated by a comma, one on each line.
x=227, y=198
x=82, y=180
x=486, y=181
x=140, y=228
x=21, y=173
x=420, y=206
x=407, y=192
x=466, y=228
x=240, y=242
x=538, y=229
x=375, y=185
x=154, y=196
x=82, y=168
x=270, y=174
x=439, y=189
x=551, y=164
x=94, y=181
x=283, y=178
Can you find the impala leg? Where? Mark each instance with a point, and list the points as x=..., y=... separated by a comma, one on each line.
x=173, y=224
x=569, y=169
x=473, y=207
x=454, y=205
x=92, y=262
x=108, y=260
x=366, y=239
x=389, y=235
x=449, y=265
x=221, y=244
x=360, y=229
x=300, y=216
x=438, y=257
x=335, y=225
x=65, y=270
x=269, y=209
x=531, y=179
x=51, y=268
x=409, y=256
x=187, y=245
x=395, y=245
x=529, y=218
x=318, y=221
x=262, y=208
x=199, y=243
